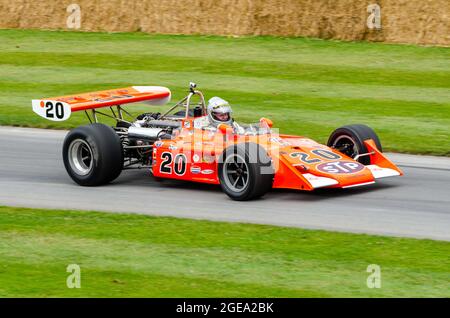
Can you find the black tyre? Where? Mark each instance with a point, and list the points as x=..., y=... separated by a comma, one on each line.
x=245, y=171
x=350, y=141
x=93, y=155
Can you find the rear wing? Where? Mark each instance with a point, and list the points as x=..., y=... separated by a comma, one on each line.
x=60, y=108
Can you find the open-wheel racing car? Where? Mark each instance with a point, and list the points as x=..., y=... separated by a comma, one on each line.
x=246, y=160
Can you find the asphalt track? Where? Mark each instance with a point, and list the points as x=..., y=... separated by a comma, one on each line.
x=416, y=205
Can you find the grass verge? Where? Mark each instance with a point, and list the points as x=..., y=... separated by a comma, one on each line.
x=125, y=255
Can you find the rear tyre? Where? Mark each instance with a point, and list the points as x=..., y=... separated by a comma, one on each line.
x=245, y=171
x=93, y=155
x=349, y=140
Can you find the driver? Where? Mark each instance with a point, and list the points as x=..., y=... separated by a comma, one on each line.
x=219, y=112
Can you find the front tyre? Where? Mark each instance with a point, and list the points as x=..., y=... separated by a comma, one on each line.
x=349, y=140
x=93, y=155
x=245, y=171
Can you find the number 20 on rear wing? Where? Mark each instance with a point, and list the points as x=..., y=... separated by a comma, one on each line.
x=52, y=109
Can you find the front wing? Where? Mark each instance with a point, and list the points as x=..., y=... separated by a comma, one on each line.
x=304, y=177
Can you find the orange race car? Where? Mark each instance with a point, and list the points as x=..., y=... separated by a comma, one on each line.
x=201, y=142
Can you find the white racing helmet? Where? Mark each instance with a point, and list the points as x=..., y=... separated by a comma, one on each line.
x=219, y=111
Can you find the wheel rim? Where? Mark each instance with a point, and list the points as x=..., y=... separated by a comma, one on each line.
x=80, y=157
x=236, y=173
x=346, y=145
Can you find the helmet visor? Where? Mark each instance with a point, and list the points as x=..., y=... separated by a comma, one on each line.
x=221, y=116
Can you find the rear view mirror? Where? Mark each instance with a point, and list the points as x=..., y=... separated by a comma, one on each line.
x=266, y=122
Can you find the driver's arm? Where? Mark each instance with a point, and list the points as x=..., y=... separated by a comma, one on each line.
x=238, y=129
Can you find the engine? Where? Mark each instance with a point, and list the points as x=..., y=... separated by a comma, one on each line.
x=150, y=127
x=139, y=136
